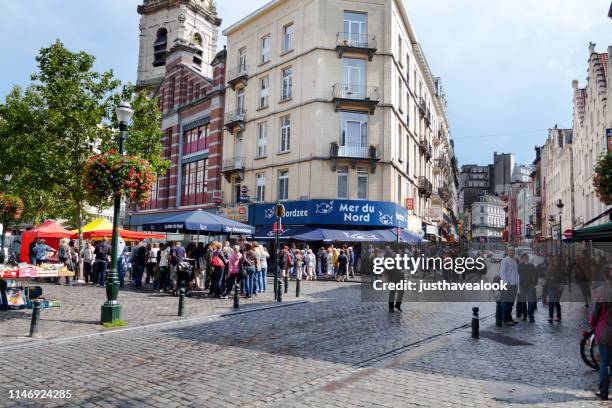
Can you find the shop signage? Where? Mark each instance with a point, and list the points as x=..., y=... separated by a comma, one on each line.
x=409, y=203
x=431, y=229
x=236, y=213
x=334, y=212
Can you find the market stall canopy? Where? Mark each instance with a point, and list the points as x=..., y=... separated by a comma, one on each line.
x=306, y=233
x=199, y=221
x=409, y=237
x=49, y=230
x=288, y=232
x=104, y=228
x=598, y=233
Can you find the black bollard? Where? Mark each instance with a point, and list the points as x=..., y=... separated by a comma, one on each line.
x=498, y=314
x=236, y=295
x=287, y=282
x=279, y=291
x=35, y=319
x=475, y=324
x=181, y=306
x=297, y=287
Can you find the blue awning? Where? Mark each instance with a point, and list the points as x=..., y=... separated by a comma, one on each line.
x=198, y=221
x=306, y=233
x=290, y=231
x=409, y=237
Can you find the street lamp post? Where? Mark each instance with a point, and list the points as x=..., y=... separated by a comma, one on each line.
x=279, y=210
x=7, y=180
x=111, y=309
x=560, y=206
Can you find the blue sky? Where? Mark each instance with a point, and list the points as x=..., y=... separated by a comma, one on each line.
x=506, y=65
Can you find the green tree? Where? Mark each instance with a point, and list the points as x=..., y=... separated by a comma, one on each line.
x=66, y=114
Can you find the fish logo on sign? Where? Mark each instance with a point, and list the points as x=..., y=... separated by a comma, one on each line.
x=356, y=235
x=385, y=218
x=203, y=227
x=269, y=213
x=325, y=208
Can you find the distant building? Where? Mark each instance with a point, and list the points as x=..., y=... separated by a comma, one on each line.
x=536, y=195
x=487, y=219
x=474, y=181
x=503, y=164
x=521, y=173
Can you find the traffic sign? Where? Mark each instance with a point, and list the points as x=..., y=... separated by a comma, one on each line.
x=568, y=233
x=244, y=189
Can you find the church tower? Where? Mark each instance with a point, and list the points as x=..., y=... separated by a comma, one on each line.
x=167, y=26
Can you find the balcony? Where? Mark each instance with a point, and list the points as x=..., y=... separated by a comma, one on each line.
x=427, y=118
x=439, y=165
x=356, y=43
x=235, y=119
x=237, y=76
x=425, y=149
x=354, y=152
x=233, y=165
x=422, y=106
x=425, y=187
x=355, y=97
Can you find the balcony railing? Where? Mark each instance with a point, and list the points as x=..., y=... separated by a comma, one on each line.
x=237, y=75
x=235, y=118
x=235, y=163
x=427, y=117
x=355, y=150
x=425, y=186
x=425, y=149
x=356, y=42
x=351, y=94
x=422, y=106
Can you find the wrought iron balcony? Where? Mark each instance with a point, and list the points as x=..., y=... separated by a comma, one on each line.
x=439, y=165
x=355, y=96
x=354, y=152
x=235, y=119
x=422, y=106
x=425, y=187
x=237, y=75
x=425, y=149
x=357, y=43
x=427, y=118
x=233, y=166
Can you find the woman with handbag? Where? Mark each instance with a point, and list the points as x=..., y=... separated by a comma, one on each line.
x=218, y=262
x=233, y=270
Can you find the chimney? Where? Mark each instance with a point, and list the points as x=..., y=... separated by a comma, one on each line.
x=591, y=48
x=575, y=81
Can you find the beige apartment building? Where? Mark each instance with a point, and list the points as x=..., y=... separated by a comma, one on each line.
x=592, y=122
x=334, y=99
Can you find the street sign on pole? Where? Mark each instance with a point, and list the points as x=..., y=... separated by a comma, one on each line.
x=568, y=233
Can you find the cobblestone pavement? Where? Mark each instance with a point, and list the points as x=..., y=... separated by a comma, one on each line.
x=333, y=351
x=80, y=309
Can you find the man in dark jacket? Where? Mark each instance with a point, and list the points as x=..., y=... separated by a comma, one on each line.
x=600, y=320
x=102, y=254
x=528, y=280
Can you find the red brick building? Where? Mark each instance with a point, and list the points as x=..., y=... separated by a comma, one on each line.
x=176, y=39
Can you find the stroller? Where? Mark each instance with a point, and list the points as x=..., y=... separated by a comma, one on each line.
x=184, y=276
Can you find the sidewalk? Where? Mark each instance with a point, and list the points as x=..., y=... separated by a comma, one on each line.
x=80, y=309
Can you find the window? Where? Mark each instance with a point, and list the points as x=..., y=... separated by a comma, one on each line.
x=407, y=68
x=354, y=78
x=240, y=101
x=261, y=187
x=236, y=187
x=400, y=143
x=356, y=28
x=159, y=47
x=287, y=83
x=242, y=60
x=264, y=85
x=265, y=48
x=194, y=183
x=195, y=140
x=354, y=134
x=285, y=140
x=399, y=189
x=288, y=34
x=399, y=93
x=399, y=49
x=262, y=139
x=343, y=182
x=362, y=183
x=283, y=185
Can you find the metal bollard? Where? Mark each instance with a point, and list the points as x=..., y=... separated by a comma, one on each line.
x=287, y=282
x=498, y=314
x=475, y=324
x=279, y=292
x=35, y=319
x=181, y=306
x=297, y=287
x=236, y=295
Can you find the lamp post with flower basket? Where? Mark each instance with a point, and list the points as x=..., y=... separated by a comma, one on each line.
x=108, y=177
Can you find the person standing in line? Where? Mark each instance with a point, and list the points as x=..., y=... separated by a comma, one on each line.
x=87, y=255
x=218, y=262
x=152, y=252
x=63, y=256
x=329, y=262
x=164, y=273
x=248, y=260
x=320, y=261
x=342, y=266
x=526, y=299
x=600, y=319
x=263, y=262
x=508, y=273
x=139, y=262
x=299, y=265
x=177, y=254
x=102, y=253
x=284, y=261
x=233, y=270
x=257, y=276
x=200, y=266
x=351, y=263
x=31, y=252
x=73, y=255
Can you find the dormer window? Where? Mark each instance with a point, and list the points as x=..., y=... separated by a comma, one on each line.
x=159, y=48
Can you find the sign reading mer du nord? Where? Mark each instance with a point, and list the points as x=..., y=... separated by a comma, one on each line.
x=334, y=212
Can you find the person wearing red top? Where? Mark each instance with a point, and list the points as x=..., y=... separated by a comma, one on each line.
x=600, y=320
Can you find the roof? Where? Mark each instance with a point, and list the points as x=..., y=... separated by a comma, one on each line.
x=603, y=60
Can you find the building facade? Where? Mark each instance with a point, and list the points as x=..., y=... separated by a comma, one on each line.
x=503, y=164
x=559, y=181
x=178, y=67
x=592, y=120
x=474, y=181
x=487, y=219
x=334, y=100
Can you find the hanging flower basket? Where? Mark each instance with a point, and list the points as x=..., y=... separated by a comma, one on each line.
x=11, y=207
x=110, y=173
x=602, y=180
